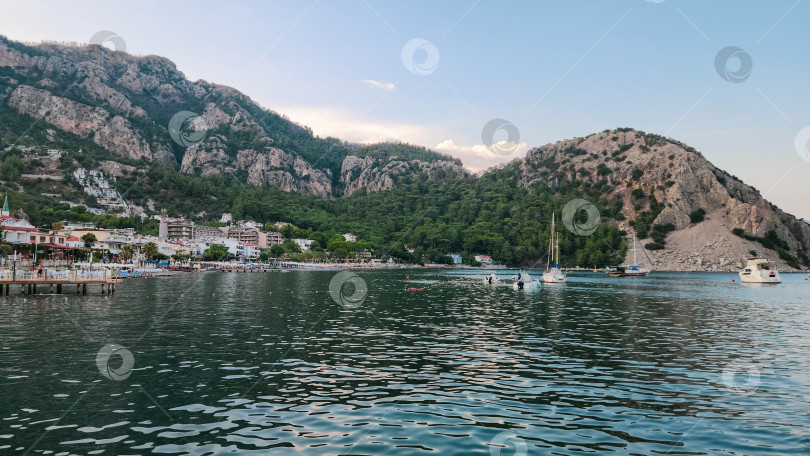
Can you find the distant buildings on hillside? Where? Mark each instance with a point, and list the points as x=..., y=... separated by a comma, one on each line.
x=95, y=183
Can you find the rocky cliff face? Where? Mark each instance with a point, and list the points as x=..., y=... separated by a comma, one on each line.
x=375, y=174
x=125, y=104
x=631, y=167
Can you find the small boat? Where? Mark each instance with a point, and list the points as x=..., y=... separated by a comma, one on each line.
x=630, y=270
x=524, y=281
x=553, y=273
x=759, y=270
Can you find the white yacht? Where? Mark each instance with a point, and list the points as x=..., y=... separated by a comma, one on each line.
x=759, y=270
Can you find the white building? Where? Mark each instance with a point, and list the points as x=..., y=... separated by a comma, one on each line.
x=304, y=244
x=485, y=260
x=349, y=237
x=226, y=218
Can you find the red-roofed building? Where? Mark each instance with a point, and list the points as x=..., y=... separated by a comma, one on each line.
x=19, y=231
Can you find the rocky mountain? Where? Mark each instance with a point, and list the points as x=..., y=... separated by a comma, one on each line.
x=142, y=110
x=657, y=181
x=141, y=120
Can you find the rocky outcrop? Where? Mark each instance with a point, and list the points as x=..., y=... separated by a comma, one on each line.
x=114, y=133
x=630, y=167
x=376, y=174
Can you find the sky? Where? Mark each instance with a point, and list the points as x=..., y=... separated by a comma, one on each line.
x=729, y=78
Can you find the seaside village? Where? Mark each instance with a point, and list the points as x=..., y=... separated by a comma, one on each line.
x=178, y=239
x=180, y=242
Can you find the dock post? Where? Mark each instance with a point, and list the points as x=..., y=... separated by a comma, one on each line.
x=35, y=288
x=51, y=291
x=84, y=288
x=113, y=288
x=59, y=288
x=78, y=288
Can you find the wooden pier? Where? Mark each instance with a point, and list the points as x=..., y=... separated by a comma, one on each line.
x=57, y=280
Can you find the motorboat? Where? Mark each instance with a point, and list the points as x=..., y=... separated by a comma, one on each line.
x=759, y=270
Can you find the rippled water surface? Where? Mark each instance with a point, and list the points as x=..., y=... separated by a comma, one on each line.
x=439, y=364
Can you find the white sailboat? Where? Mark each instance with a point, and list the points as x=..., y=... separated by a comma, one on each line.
x=630, y=270
x=553, y=272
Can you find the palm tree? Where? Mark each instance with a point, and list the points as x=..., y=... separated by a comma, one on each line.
x=150, y=250
x=126, y=253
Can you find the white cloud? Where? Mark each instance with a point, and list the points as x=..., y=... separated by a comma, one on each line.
x=479, y=157
x=349, y=126
x=346, y=125
x=381, y=85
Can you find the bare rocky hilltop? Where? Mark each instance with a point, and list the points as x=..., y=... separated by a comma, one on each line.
x=668, y=181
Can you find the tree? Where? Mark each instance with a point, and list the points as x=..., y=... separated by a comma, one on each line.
x=697, y=215
x=57, y=226
x=126, y=253
x=89, y=239
x=276, y=251
x=150, y=250
x=216, y=252
x=291, y=246
x=11, y=168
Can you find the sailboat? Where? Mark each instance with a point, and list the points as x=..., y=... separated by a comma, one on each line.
x=553, y=272
x=630, y=270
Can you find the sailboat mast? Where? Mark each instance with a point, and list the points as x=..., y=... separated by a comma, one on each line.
x=634, y=248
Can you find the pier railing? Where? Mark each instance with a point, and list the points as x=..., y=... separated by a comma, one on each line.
x=58, y=276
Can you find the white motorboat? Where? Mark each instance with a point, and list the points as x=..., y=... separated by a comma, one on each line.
x=524, y=281
x=553, y=273
x=759, y=270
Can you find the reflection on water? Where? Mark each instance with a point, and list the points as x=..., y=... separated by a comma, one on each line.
x=441, y=363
